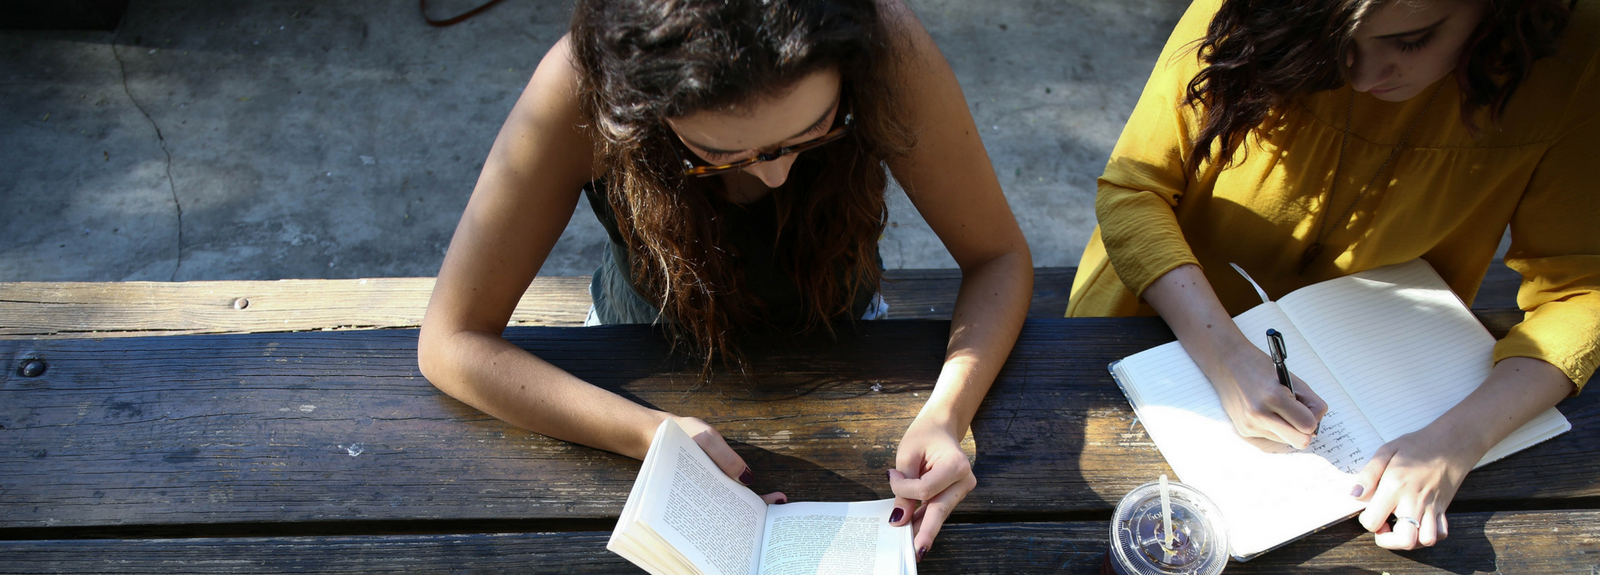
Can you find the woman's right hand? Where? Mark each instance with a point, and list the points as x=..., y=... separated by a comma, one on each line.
x=1247, y=382
x=725, y=457
x=1243, y=375
x=715, y=446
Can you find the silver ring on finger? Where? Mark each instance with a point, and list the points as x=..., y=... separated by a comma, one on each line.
x=1410, y=520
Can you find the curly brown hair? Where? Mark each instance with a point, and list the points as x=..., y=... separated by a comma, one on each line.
x=643, y=61
x=1258, y=55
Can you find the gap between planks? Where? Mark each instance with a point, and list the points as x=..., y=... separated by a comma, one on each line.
x=1526, y=542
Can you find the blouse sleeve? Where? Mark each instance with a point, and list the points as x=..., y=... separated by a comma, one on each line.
x=1556, y=248
x=1145, y=176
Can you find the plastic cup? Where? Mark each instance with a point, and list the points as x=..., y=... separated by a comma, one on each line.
x=1200, y=543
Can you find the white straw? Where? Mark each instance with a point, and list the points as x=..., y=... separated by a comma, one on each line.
x=1166, y=514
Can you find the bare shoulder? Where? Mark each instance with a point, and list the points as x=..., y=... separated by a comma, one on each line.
x=931, y=99
x=924, y=84
x=529, y=187
x=557, y=76
x=544, y=148
x=908, y=38
x=544, y=152
x=897, y=14
x=947, y=174
x=549, y=110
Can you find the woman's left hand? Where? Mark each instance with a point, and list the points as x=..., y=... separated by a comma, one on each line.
x=1414, y=478
x=930, y=470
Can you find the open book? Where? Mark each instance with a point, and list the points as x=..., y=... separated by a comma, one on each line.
x=685, y=517
x=1389, y=349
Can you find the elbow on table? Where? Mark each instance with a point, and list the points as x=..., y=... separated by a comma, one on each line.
x=433, y=357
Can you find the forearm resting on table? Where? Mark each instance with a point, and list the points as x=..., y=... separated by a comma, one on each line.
x=990, y=308
x=1184, y=299
x=489, y=373
x=1517, y=390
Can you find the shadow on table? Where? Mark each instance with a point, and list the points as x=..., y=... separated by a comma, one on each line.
x=1348, y=548
x=1468, y=550
x=799, y=479
x=1056, y=439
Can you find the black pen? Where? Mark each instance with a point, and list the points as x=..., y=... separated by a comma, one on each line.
x=1280, y=352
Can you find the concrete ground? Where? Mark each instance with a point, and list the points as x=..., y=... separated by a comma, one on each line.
x=280, y=139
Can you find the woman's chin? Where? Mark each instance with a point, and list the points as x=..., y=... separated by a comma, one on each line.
x=1395, y=94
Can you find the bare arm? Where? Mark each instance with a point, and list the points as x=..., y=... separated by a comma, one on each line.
x=949, y=178
x=1517, y=390
x=529, y=186
x=1243, y=376
x=524, y=198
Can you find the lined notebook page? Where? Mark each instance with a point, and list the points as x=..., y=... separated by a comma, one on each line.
x=1346, y=439
x=1267, y=498
x=1401, y=343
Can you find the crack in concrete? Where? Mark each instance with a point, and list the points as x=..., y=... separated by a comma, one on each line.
x=162, y=140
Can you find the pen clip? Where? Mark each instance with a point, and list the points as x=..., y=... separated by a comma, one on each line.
x=1275, y=343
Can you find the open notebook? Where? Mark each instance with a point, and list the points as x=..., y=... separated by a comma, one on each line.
x=685, y=517
x=1389, y=349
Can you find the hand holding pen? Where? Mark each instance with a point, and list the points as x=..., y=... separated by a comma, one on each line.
x=1280, y=353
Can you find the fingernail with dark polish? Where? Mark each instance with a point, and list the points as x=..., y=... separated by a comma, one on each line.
x=888, y=474
x=1357, y=491
x=747, y=477
x=781, y=501
x=920, y=552
x=898, y=513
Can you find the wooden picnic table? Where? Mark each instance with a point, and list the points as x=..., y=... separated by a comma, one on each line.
x=276, y=451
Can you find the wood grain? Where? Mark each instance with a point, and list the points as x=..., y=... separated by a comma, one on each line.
x=931, y=293
x=339, y=426
x=125, y=309
x=129, y=309
x=33, y=310
x=1507, y=542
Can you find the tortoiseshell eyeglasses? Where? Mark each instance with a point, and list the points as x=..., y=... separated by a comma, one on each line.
x=839, y=131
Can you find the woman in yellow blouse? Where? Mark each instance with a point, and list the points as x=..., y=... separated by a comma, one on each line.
x=1314, y=139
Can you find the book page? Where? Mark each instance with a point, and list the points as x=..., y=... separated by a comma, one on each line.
x=1399, y=341
x=835, y=538
x=1345, y=438
x=1268, y=498
x=710, y=519
x=636, y=542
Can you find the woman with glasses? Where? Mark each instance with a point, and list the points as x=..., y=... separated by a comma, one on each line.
x=737, y=153
x=1313, y=139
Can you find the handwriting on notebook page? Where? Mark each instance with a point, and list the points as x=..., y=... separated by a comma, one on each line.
x=1338, y=444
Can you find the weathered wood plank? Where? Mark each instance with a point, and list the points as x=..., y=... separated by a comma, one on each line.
x=327, y=426
x=130, y=309
x=32, y=310
x=124, y=309
x=1507, y=542
x=931, y=293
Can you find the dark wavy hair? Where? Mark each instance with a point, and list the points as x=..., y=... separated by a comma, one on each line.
x=643, y=61
x=1258, y=55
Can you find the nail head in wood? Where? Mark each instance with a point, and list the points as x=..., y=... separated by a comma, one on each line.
x=241, y=303
x=32, y=367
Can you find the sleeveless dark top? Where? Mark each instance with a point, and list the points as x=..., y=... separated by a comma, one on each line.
x=751, y=234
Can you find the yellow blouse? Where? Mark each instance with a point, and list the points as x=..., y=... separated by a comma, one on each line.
x=1447, y=197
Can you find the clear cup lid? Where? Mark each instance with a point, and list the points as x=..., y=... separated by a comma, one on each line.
x=1199, y=543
